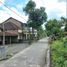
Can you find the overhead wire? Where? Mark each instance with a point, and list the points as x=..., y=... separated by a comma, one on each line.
x=12, y=10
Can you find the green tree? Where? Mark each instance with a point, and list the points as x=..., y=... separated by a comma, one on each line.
x=42, y=33
x=53, y=28
x=64, y=22
x=36, y=16
x=30, y=6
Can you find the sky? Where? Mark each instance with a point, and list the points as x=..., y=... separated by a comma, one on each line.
x=53, y=8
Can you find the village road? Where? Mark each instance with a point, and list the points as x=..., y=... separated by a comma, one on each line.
x=33, y=56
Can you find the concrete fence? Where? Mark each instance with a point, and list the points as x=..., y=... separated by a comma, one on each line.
x=3, y=52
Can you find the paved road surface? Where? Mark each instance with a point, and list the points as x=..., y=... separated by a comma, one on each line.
x=14, y=48
x=33, y=56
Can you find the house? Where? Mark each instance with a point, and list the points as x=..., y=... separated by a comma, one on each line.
x=14, y=31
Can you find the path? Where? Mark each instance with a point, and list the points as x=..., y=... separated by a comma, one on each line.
x=33, y=56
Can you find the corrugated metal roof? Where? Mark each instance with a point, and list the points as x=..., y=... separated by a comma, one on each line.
x=9, y=26
x=12, y=24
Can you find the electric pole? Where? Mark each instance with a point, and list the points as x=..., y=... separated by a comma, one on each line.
x=3, y=35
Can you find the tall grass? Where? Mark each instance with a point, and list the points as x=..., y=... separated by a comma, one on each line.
x=59, y=53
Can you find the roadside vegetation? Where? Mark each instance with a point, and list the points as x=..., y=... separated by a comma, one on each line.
x=57, y=41
x=59, y=53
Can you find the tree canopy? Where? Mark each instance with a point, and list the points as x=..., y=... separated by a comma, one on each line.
x=30, y=6
x=36, y=16
x=65, y=22
x=53, y=28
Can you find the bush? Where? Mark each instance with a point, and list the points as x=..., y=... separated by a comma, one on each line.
x=59, y=53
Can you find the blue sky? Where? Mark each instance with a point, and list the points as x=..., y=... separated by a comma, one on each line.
x=54, y=8
x=16, y=4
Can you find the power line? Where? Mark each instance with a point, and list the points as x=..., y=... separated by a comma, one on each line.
x=12, y=10
x=15, y=12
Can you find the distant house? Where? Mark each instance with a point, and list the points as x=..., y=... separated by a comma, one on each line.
x=15, y=31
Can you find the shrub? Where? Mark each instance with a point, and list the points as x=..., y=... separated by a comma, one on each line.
x=59, y=53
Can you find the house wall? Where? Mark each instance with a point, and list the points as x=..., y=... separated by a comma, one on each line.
x=8, y=39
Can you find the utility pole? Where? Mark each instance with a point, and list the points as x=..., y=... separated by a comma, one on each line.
x=3, y=35
x=3, y=48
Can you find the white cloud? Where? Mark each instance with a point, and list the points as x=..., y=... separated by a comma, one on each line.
x=3, y=16
x=52, y=6
x=53, y=9
x=19, y=16
x=2, y=2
